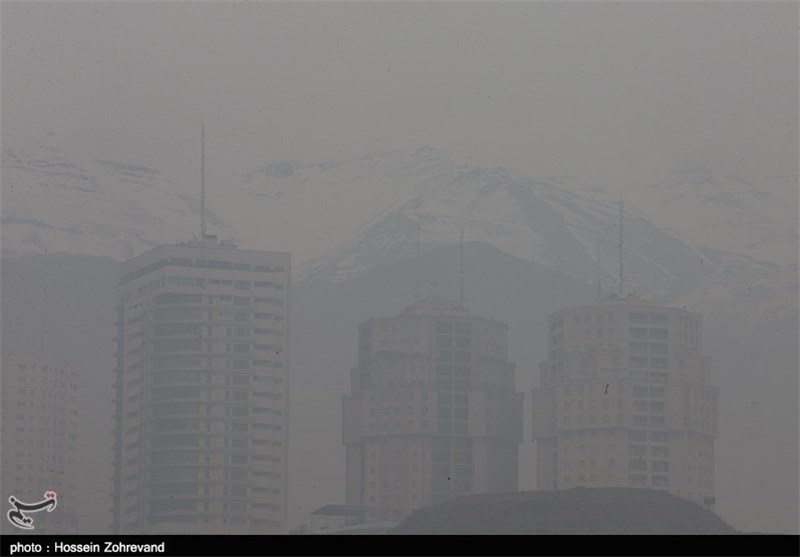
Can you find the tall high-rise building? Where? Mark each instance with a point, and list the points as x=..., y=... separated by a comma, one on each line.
x=202, y=391
x=433, y=412
x=39, y=432
x=626, y=400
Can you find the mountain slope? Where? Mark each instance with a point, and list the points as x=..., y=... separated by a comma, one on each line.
x=341, y=218
x=56, y=202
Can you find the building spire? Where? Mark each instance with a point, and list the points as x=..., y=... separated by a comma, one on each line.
x=461, y=267
x=202, y=182
x=621, y=282
x=416, y=268
x=597, y=267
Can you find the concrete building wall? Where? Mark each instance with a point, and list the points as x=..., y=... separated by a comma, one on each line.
x=433, y=407
x=202, y=391
x=626, y=400
x=39, y=432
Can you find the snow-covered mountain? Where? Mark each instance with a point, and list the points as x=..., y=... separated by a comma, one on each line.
x=691, y=238
x=426, y=200
x=752, y=216
x=58, y=202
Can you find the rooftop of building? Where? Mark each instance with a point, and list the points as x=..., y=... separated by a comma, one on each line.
x=436, y=305
x=614, y=301
x=195, y=253
x=598, y=510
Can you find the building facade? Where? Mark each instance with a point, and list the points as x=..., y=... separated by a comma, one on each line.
x=433, y=413
x=202, y=391
x=626, y=400
x=39, y=432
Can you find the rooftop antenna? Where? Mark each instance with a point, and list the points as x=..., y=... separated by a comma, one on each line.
x=202, y=182
x=416, y=269
x=42, y=319
x=597, y=268
x=621, y=273
x=461, y=267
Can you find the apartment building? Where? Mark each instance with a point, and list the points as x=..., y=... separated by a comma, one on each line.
x=626, y=399
x=202, y=391
x=433, y=413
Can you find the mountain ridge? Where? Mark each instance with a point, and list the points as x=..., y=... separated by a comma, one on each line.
x=358, y=213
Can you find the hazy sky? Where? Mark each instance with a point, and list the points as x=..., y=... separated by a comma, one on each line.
x=543, y=88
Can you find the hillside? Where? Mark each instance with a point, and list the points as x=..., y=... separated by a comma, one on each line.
x=575, y=511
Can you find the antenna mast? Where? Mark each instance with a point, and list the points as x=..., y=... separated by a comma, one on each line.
x=416, y=269
x=621, y=273
x=597, y=267
x=202, y=182
x=461, y=267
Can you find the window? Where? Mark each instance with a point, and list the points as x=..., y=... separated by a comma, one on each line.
x=658, y=377
x=637, y=435
x=637, y=479
x=659, y=451
x=658, y=319
x=444, y=327
x=170, y=393
x=659, y=333
x=637, y=464
x=658, y=348
x=660, y=466
x=637, y=450
x=174, y=457
x=171, y=474
x=166, y=329
x=443, y=341
x=178, y=314
x=166, y=505
x=660, y=481
x=638, y=347
x=177, y=345
x=177, y=298
x=659, y=362
x=236, y=427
